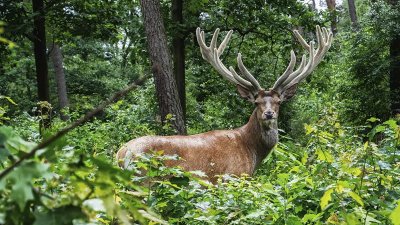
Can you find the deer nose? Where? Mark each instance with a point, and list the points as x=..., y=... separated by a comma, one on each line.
x=269, y=115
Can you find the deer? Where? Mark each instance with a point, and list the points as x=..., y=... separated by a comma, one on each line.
x=241, y=150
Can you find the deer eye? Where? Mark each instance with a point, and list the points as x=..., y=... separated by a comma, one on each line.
x=259, y=101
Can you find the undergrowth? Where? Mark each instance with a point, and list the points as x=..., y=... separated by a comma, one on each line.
x=336, y=175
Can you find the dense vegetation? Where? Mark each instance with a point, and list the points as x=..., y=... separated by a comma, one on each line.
x=337, y=162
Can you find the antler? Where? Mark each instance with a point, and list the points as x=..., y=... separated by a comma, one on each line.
x=290, y=77
x=212, y=53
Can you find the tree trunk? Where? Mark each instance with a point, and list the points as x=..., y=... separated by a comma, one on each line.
x=394, y=79
x=39, y=44
x=332, y=14
x=57, y=59
x=166, y=89
x=178, y=52
x=40, y=50
x=353, y=13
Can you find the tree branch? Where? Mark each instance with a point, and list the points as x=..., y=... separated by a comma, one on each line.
x=78, y=122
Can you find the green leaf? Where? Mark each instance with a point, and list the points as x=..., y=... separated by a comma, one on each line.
x=309, y=129
x=392, y=124
x=2, y=184
x=370, y=220
x=5, y=133
x=352, y=219
x=21, y=180
x=324, y=156
x=8, y=99
x=2, y=218
x=366, y=144
x=21, y=193
x=198, y=173
x=168, y=116
x=294, y=220
x=256, y=214
x=304, y=158
x=373, y=119
x=326, y=198
x=356, y=197
x=310, y=217
x=4, y=153
x=395, y=215
x=56, y=146
x=59, y=216
x=380, y=128
x=17, y=145
x=295, y=169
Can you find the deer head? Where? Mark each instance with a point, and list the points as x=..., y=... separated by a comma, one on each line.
x=267, y=101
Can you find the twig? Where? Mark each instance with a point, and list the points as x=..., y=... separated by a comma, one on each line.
x=38, y=192
x=68, y=128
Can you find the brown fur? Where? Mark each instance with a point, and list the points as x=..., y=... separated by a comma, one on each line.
x=218, y=152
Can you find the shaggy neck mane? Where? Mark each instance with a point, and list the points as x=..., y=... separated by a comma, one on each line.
x=260, y=139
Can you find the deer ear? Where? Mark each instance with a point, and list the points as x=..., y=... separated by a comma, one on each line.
x=245, y=93
x=289, y=92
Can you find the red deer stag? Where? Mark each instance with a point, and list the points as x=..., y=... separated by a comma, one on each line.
x=237, y=151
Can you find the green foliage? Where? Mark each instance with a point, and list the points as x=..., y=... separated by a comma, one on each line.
x=60, y=185
x=366, y=62
x=4, y=107
x=336, y=178
x=333, y=170
x=4, y=40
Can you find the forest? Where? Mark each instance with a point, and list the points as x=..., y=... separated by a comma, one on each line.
x=79, y=79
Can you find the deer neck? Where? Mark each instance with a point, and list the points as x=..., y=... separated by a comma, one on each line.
x=260, y=138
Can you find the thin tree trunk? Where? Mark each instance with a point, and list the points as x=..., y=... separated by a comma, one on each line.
x=39, y=44
x=178, y=51
x=395, y=74
x=57, y=59
x=353, y=13
x=394, y=77
x=40, y=50
x=332, y=13
x=166, y=89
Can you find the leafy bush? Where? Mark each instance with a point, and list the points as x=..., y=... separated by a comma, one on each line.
x=63, y=185
x=337, y=177
x=335, y=174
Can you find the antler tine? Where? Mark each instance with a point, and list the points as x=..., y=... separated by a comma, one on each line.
x=290, y=78
x=306, y=70
x=202, y=44
x=247, y=74
x=208, y=53
x=212, y=55
x=221, y=67
x=214, y=39
x=301, y=40
x=239, y=78
x=224, y=43
x=296, y=72
x=288, y=71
